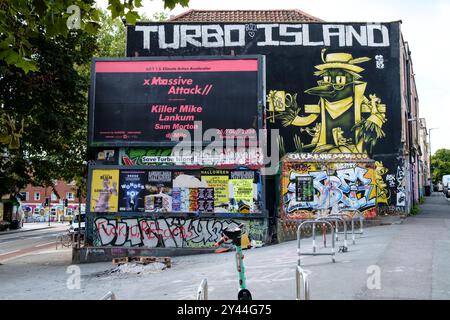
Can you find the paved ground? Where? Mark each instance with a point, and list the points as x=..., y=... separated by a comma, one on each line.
x=32, y=237
x=413, y=257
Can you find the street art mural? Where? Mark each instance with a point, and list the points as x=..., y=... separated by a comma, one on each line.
x=337, y=123
x=169, y=232
x=332, y=186
x=330, y=88
x=344, y=120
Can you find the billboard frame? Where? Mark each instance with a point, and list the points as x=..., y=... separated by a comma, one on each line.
x=261, y=99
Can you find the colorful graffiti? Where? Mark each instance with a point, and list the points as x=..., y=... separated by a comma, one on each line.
x=344, y=121
x=251, y=156
x=147, y=156
x=336, y=123
x=168, y=232
x=354, y=108
x=401, y=190
x=335, y=186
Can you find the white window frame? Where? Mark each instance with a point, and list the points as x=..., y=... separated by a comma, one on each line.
x=38, y=194
x=71, y=197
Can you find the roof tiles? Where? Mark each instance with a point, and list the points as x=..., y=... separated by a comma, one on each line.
x=244, y=16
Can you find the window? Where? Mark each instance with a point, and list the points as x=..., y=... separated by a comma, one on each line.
x=37, y=196
x=54, y=198
x=24, y=196
x=69, y=196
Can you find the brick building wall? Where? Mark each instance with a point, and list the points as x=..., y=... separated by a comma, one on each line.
x=34, y=197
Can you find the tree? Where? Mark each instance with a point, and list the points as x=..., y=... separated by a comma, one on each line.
x=52, y=105
x=111, y=37
x=43, y=112
x=24, y=21
x=440, y=164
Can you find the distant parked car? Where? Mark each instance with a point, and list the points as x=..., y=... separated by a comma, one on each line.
x=445, y=184
x=74, y=225
x=447, y=190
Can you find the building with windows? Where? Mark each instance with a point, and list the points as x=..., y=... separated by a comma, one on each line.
x=424, y=160
x=34, y=197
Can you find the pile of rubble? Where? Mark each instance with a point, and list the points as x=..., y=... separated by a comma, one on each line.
x=137, y=266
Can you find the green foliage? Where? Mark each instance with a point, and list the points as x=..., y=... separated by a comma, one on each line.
x=440, y=164
x=23, y=22
x=51, y=101
x=111, y=37
x=414, y=210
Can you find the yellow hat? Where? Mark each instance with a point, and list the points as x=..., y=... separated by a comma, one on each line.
x=341, y=61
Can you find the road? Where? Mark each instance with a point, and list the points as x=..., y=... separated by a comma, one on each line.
x=412, y=257
x=26, y=241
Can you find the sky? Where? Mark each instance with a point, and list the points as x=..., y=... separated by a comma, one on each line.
x=424, y=26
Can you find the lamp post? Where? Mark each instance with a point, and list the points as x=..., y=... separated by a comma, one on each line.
x=429, y=146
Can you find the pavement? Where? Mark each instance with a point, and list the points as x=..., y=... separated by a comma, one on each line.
x=407, y=259
x=33, y=226
x=32, y=237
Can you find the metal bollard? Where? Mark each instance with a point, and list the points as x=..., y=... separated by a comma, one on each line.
x=332, y=253
x=202, y=291
x=336, y=219
x=357, y=215
x=302, y=282
x=58, y=239
x=109, y=296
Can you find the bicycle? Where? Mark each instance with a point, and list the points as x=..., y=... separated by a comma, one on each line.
x=235, y=236
x=66, y=239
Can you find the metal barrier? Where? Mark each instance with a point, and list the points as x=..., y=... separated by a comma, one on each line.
x=109, y=296
x=336, y=219
x=65, y=239
x=302, y=282
x=314, y=253
x=202, y=291
x=357, y=215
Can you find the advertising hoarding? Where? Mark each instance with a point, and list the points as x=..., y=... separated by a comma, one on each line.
x=141, y=101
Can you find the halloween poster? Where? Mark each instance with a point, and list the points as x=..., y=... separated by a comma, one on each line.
x=218, y=180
